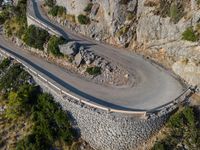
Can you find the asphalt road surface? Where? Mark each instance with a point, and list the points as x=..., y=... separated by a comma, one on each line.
x=154, y=88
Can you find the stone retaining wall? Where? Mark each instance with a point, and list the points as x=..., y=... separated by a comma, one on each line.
x=107, y=131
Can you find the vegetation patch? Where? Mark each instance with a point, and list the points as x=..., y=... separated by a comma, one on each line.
x=3, y=16
x=5, y=63
x=88, y=8
x=94, y=70
x=70, y=18
x=173, y=9
x=48, y=126
x=36, y=37
x=57, y=11
x=130, y=16
x=184, y=131
x=190, y=35
x=15, y=19
x=198, y=2
x=53, y=45
x=50, y=3
x=13, y=78
x=122, y=31
x=83, y=19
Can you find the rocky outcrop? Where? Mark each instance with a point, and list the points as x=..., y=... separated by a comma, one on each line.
x=73, y=7
x=189, y=70
x=108, y=18
x=70, y=48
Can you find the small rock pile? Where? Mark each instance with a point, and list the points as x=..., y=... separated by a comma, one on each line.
x=82, y=56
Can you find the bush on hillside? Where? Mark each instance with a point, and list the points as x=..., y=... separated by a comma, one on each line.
x=57, y=11
x=53, y=45
x=82, y=19
x=94, y=70
x=88, y=8
x=183, y=131
x=5, y=63
x=36, y=37
x=190, y=35
x=13, y=78
x=50, y=3
x=15, y=23
x=4, y=15
x=50, y=122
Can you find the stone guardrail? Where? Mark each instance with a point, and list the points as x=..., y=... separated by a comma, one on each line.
x=65, y=93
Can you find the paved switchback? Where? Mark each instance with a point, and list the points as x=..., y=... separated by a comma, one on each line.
x=155, y=87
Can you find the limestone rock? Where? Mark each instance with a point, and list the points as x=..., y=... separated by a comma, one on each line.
x=71, y=48
x=188, y=70
x=78, y=59
x=73, y=7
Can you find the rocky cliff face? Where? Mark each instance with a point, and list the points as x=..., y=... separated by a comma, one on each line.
x=153, y=26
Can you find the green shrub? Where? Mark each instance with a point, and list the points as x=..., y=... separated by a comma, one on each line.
x=183, y=127
x=36, y=37
x=15, y=27
x=4, y=15
x=82, y=19
x=50, y=3
x=50, y=122
x=16, y=23
x=159, y=146
x=175, y=120
x=21, y=102
x=130, y=16
x=12, y=78
x=53, y=44
x=88, y=8
x=34, y=141
x=94, y=70
x=190, y=35
x=122, y=31
x=198, y=2
x=57, y=11
x=54, y=11
x=189, y=115
x=5, y=63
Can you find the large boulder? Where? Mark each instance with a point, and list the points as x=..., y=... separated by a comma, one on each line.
x=70, y=49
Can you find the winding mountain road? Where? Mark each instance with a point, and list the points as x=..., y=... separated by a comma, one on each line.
x=155, y=86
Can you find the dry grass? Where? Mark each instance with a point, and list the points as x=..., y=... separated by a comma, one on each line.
x=159, y=136
x=195, y=99
x=11, y=131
